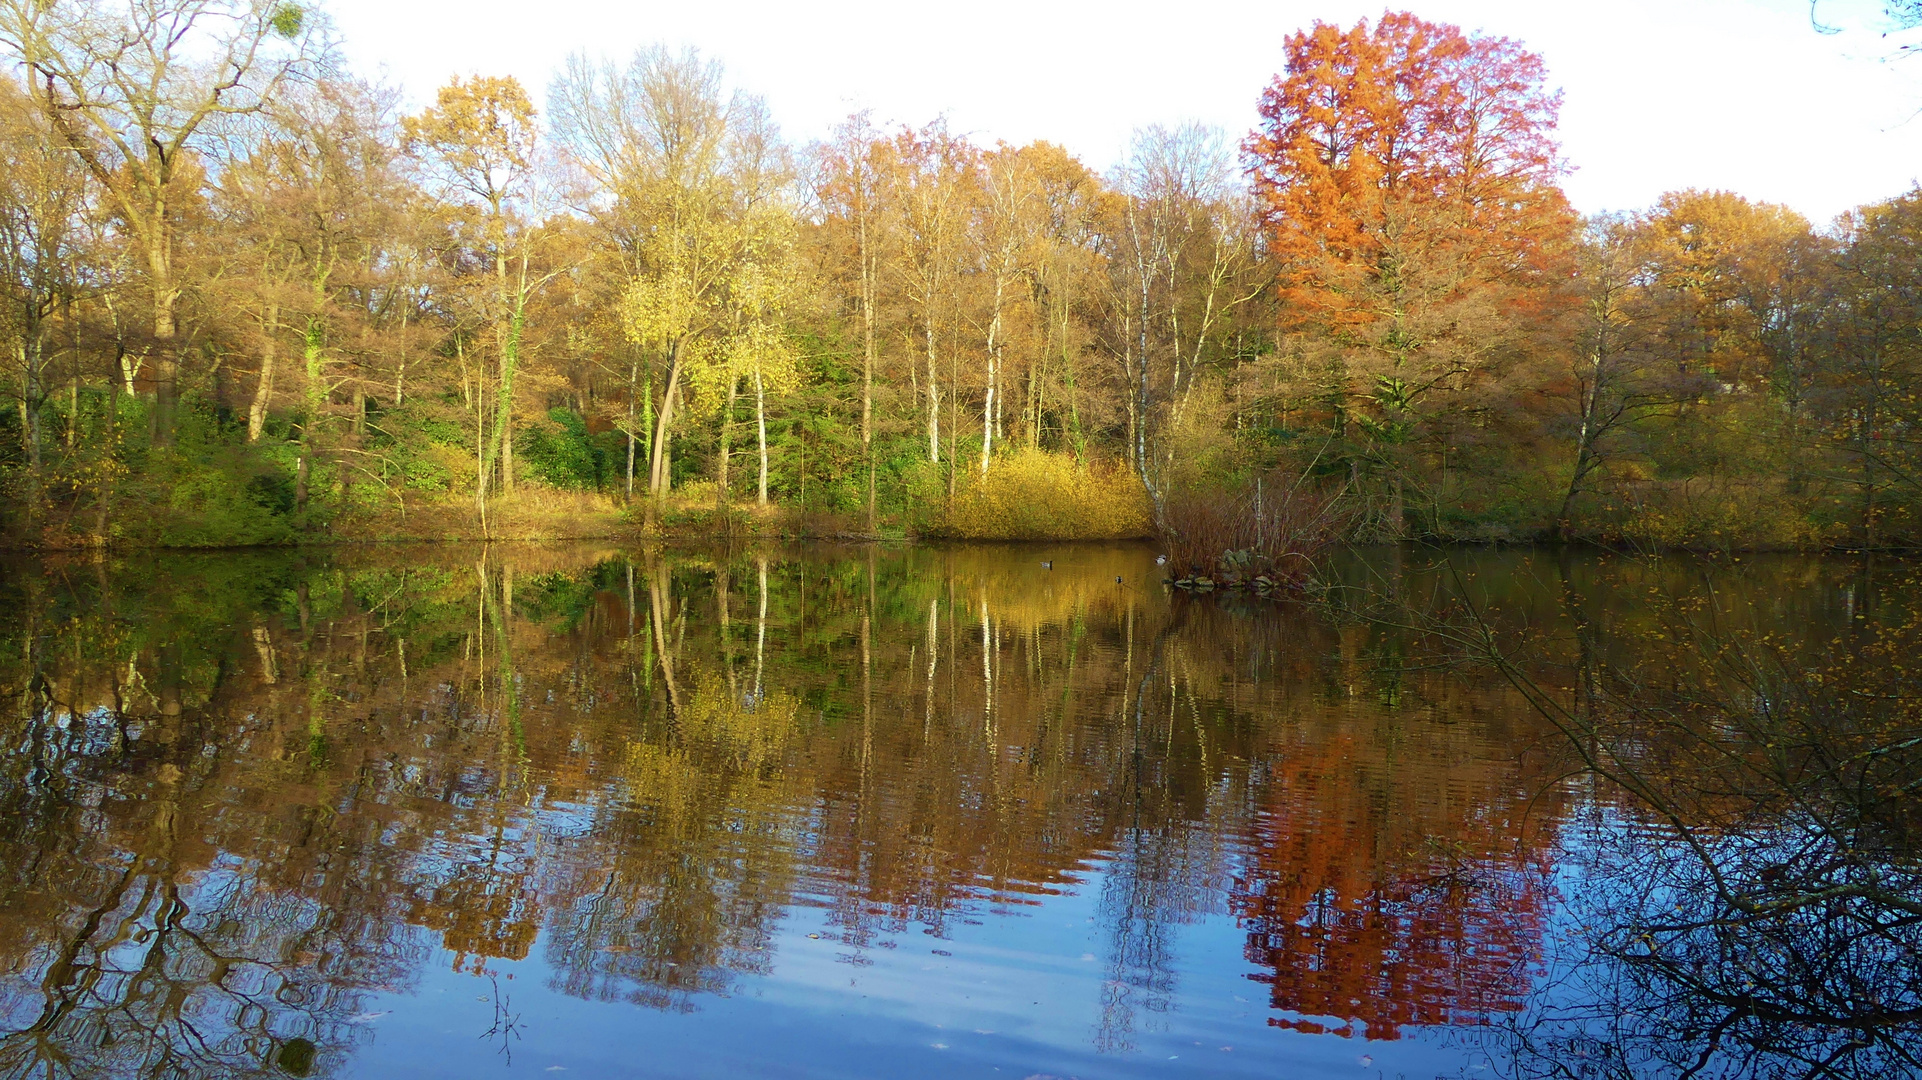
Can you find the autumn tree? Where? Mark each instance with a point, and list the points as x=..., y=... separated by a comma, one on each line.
x=1874, y=375
x=1796, y=334
x=478, y=141
x=1407, y=175
x=1726, y=290
x=133, y=96
x=1617, y=379
x=1715, y=262
x=930, y=190
x=1004, y=227
x=848, y=178
x=44, y=196
x=313, y=191
x=680, y=165
x=756, y=348
x=1065, y=276
x=328, y=308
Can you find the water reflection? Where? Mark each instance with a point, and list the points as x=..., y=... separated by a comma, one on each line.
x=253, y=800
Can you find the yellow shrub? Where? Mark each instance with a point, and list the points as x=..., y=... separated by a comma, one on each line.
x=1725, y=517
x=1034, y=495
x=701, y=494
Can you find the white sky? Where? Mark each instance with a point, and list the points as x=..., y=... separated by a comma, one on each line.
x=1660, y=94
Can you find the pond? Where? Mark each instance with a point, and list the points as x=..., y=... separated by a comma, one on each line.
x=860, y=811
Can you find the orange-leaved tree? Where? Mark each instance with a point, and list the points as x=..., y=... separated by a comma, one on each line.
x=1408, y=178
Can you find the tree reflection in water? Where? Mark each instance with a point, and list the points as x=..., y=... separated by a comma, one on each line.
x=1764, y=915
x=1746, y=897
x=247, y=795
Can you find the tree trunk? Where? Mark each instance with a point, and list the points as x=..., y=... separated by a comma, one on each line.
x=30, y=379
x=1141, y=371
x=1584, y=443
x=316, y=401
x=633, y=379
x=264, y=389
x=990, y=405
x=475, y=400
x=760, y=433
x=657, y=475
x=166, y=295
x=867, y=376
x=103, y=498
x=504, y=422
x=954, y=424
x=1075, y=438
x=727, y=437
x=73, y=403
x=934, y=400
x=1870, y=432
x=987, y=419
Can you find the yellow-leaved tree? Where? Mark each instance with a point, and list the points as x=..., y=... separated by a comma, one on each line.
x=761, y=350
x=478, y=141
x=688, y=182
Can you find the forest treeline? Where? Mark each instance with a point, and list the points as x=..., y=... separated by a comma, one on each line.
x=251, y=298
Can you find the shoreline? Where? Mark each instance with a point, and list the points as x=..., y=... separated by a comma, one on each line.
x=642, y=536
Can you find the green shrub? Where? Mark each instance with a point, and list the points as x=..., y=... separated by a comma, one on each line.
x=561, y=453
x=218, y=505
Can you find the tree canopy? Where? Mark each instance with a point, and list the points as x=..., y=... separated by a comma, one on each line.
x=250, y=299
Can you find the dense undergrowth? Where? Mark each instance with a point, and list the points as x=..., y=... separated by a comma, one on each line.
x=1240, y=509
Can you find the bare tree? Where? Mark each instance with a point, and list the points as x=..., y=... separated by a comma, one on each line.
x=1182, y=260
x=1609, y=365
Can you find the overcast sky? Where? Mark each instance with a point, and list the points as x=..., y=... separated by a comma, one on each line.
x=1744, y=95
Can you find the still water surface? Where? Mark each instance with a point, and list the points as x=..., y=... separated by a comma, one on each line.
x=811, y=812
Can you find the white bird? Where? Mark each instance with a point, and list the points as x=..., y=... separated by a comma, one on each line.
x=1161, y=560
